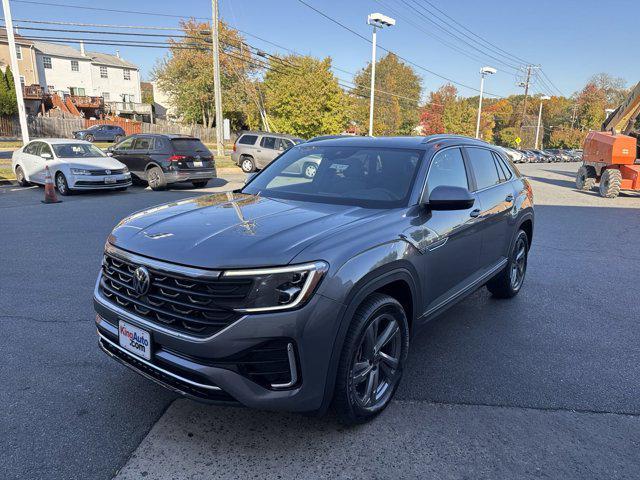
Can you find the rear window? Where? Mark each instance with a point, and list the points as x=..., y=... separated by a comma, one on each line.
x=188, y=145
x=248, y=139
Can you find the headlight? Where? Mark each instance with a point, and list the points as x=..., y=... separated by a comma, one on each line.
x=80, y=171
x=280, y=288
x=125, y=170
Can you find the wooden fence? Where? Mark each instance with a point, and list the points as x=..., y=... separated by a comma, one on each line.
x=54, y=127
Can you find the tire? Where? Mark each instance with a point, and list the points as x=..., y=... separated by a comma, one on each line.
x=310, y=170
x=247, y=164
x=89, y=138
x=20, y=177
x=586, y=177
x=359, y=370
x=610, y=182
x=200, y=183
x=117, y=139
x=509, y=281
x=62, y=185
x=156, y=179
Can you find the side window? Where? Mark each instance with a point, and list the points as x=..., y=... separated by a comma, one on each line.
x=503, y=170
x=32, y=148
x=159, y=144
x=285, y=144
x=447, y=168
x=142, y=143
x=248, y=139
x=126, y=144
x=484, y=167
x=45, y=148
x=268, y=142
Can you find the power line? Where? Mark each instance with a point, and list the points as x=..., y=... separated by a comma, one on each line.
x=331, y=19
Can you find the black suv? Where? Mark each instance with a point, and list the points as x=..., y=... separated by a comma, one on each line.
x=295, y=293
x=163, y=159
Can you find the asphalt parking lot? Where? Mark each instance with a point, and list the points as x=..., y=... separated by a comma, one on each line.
x=542, y=386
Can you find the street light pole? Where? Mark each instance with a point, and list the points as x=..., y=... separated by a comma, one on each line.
x=376, y=20
x=543, y=98
x=373, y=80
x=217, y=93
x=484, y=71
x=22, y=114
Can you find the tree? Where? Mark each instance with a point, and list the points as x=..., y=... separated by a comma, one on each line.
x=397, y=97
x=8, y=100
x=186, y=74
x=303, y=97
x=591, y=102
x=614, y=88
x=446, y=113
x=566, y=138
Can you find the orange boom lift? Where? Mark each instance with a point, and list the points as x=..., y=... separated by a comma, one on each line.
x=611, y=156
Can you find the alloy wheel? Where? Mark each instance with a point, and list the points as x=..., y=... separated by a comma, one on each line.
x=61, y=184
x=375, y=367
x=247, y=166
x=519, y=264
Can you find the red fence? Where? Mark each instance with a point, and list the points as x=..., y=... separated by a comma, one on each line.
x=129, y=126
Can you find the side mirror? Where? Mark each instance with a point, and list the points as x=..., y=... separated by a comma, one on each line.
x=109, y=153
x=446, y=197
x=46, y=156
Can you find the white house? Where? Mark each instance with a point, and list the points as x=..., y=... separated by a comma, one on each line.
x=65, y=70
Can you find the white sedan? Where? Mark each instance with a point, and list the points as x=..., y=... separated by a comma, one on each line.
x=74, y=165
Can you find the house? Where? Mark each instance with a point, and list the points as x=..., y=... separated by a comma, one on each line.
x=79, y=82
x=163, y=104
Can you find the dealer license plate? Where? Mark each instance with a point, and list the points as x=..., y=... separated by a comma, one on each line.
x=197, y=164
x=134, y=339
x=109, y=180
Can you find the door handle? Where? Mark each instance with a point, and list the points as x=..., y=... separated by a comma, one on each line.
x=509, y=198
x=475, y=213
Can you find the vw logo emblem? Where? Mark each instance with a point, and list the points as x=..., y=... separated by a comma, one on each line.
x=141, y=281
x=108, y=172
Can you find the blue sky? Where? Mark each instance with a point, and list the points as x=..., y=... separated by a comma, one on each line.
x=571, y=39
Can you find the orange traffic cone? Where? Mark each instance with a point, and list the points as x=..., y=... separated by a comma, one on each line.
x=49, y=191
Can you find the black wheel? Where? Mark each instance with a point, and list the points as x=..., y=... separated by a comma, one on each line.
x=62, y=185
x=310, y=170
x=372, y=359
x=156, y=178
x=200, y=183
x=610, y=183
x=89, y=138
x=117, y=139
x=586, y=177
x=247, y=164
x=509, y=281
x=22, y=181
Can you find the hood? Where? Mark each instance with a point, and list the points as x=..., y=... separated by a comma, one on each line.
x=231, y=230
x=94, y=163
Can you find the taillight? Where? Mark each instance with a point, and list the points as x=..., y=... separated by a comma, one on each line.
x=176, y=158
x=234, y=147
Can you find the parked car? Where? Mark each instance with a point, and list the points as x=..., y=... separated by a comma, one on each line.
x=543, y=156
x=161, y=160
x=73, y=164
x=528, y=156
x=101, y=133
x=514, y=155
x=296, y=294
x=255, y=150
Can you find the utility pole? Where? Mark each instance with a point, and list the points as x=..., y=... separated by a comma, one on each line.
x=526, y=94
x=216, y=79
x=484, y=71
x=373, y=80
x=542, y=99
x=22, y=114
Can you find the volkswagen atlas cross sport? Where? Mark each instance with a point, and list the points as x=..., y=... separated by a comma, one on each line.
x=298, y=294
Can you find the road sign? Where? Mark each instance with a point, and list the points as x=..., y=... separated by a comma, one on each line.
x=518, y=140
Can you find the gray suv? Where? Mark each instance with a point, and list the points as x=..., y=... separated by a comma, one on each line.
x=299, y=294
x=255, y=150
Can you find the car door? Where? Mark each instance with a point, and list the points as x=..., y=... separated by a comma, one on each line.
x=450, y=241
x=267, y=151
x=140, y=154
x=28, y=159
x=40, y=162
x=496, y=195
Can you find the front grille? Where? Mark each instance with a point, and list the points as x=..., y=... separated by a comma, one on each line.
x=86, y=183
x=199, y=307
x=164, y=379
x=104, y=172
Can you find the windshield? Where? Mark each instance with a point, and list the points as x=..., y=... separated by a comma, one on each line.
x=368, y=177
x=93, y=127
x=77, y=150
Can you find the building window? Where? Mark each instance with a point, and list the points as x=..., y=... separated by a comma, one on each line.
x=51, y=88
x=103, y=72
x=105, y=96
x=127, y=74
x=74, y=66
x=22, y=81
x=19, y=52
x=46, y=62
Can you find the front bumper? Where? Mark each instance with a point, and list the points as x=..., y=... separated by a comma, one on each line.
x=189, y=175
x=190, y=365
x=99, y=182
